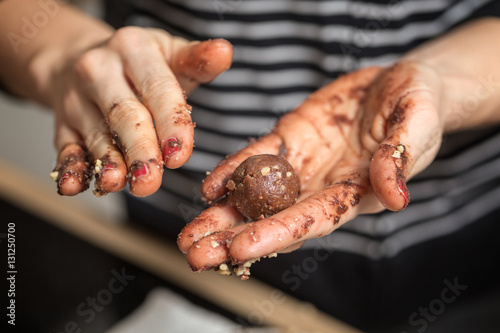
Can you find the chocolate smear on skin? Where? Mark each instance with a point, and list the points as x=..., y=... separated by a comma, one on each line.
x=118, y=142
x=341, y=209
x=182, y=115
x=107, y=164
x=335, y=99
x=400, y=166
x=398, y=116
x=401, y=180
x=282, y=150
x=342, y=119
x=112, y=107
x=309, y=221
x=355, y=199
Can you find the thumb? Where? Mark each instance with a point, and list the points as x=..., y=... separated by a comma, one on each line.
x=201, y=62
x=409, y=147
x=194, y=62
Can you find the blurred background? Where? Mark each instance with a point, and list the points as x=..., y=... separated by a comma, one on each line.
x=82, y=268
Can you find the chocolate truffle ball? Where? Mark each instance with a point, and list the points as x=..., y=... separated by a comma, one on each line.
x=262, y=186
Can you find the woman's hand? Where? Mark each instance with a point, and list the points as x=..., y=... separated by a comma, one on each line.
x=121, y=109
x=119, y=96
x=353, y=144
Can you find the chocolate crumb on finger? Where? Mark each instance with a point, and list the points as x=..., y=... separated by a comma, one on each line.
x=102, y=185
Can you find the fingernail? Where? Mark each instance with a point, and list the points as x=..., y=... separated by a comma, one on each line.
x=100, y=173
x=63, y=178
x=404, y=192
x=139, y=169
x=108, y=167
x=172, y=147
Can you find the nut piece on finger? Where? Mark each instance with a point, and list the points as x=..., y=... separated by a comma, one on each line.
x=263, y=185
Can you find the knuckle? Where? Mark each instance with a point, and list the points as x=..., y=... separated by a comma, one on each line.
x=95, y=137
x=127, y=112
x=88, y=65
x=122, y=107
x=159, y=84
x=130, y=37
x=155, y=82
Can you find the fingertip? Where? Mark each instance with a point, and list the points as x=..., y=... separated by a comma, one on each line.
x=178, y=149
x=258, y=240
x=209, y=252
x=214, y=185
x=219, y=216
x=110, y=177
x=195, y=258
x=203, y=61
x=222, y=50
x=72, y=172
x=388, y=171
x=145, y=177
x=69, y=185
x=190, y=234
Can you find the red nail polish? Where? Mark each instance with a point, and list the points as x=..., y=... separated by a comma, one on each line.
x=109, y=166
x=404, y=191
x=63, y=178
x=141, y=170
x=172, y=147
x=100, y=173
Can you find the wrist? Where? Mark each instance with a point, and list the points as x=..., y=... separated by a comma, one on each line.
x=466, y=60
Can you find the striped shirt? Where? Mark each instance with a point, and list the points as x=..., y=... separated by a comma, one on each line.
x=283, y=51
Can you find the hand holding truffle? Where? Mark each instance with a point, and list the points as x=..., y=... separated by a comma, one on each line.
x=353, y=145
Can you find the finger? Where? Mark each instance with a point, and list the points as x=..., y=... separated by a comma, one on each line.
x=219, y=216
x=106, y=159
x=194, y=62
x=293, y=247
x=72, y=172
x=395, y=160
x=155, y=83
x=315, y=216
x=214, y=186
x=213, y=250
x=201, y=62
x=130, y=123
x=413, y=136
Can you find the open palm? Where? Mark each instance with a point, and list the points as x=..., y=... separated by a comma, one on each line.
x=353, y=144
